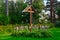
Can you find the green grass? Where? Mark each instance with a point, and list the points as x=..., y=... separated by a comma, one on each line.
x=55, y=36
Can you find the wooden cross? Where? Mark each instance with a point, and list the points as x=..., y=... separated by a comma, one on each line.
x=30, y=10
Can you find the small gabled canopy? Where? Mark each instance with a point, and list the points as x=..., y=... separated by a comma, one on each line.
x=29, y=9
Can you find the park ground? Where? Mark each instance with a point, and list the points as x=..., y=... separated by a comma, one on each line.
x=55, y=36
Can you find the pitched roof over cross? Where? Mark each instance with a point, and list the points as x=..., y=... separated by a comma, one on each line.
x=29, y=9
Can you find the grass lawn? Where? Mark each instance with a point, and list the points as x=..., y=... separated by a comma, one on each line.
x=55, y=36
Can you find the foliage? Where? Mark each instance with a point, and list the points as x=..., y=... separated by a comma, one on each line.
x=58, y=11
x=23, y=18
x=6, y=29
x=4, y=20
x=57, y=24
x=15, y=12
x=36, y=34
x=38, y=6
x=55, y=36
x=2, y=7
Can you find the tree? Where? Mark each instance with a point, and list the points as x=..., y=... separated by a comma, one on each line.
x=58, y=12
x=2, y=7
x=51, y=6
x=38, y=5
x=16, y=15
x=16, y=10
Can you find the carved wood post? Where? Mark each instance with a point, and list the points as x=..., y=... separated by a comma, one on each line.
x=31, y=20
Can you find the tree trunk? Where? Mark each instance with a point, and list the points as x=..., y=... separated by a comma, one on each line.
x=52, y=12
x=7, y=11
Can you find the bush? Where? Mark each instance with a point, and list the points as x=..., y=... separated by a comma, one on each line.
x=4, y=20
x=6, y=29
x=46, y=34
x=57, y=24
x=51, y=25
x=32, y=34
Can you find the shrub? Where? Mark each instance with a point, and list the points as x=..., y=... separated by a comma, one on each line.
x=4, y=20
x=32, y=34
x=57, y=24
x=6, y=29
x=46, y=34
x=50, y=24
